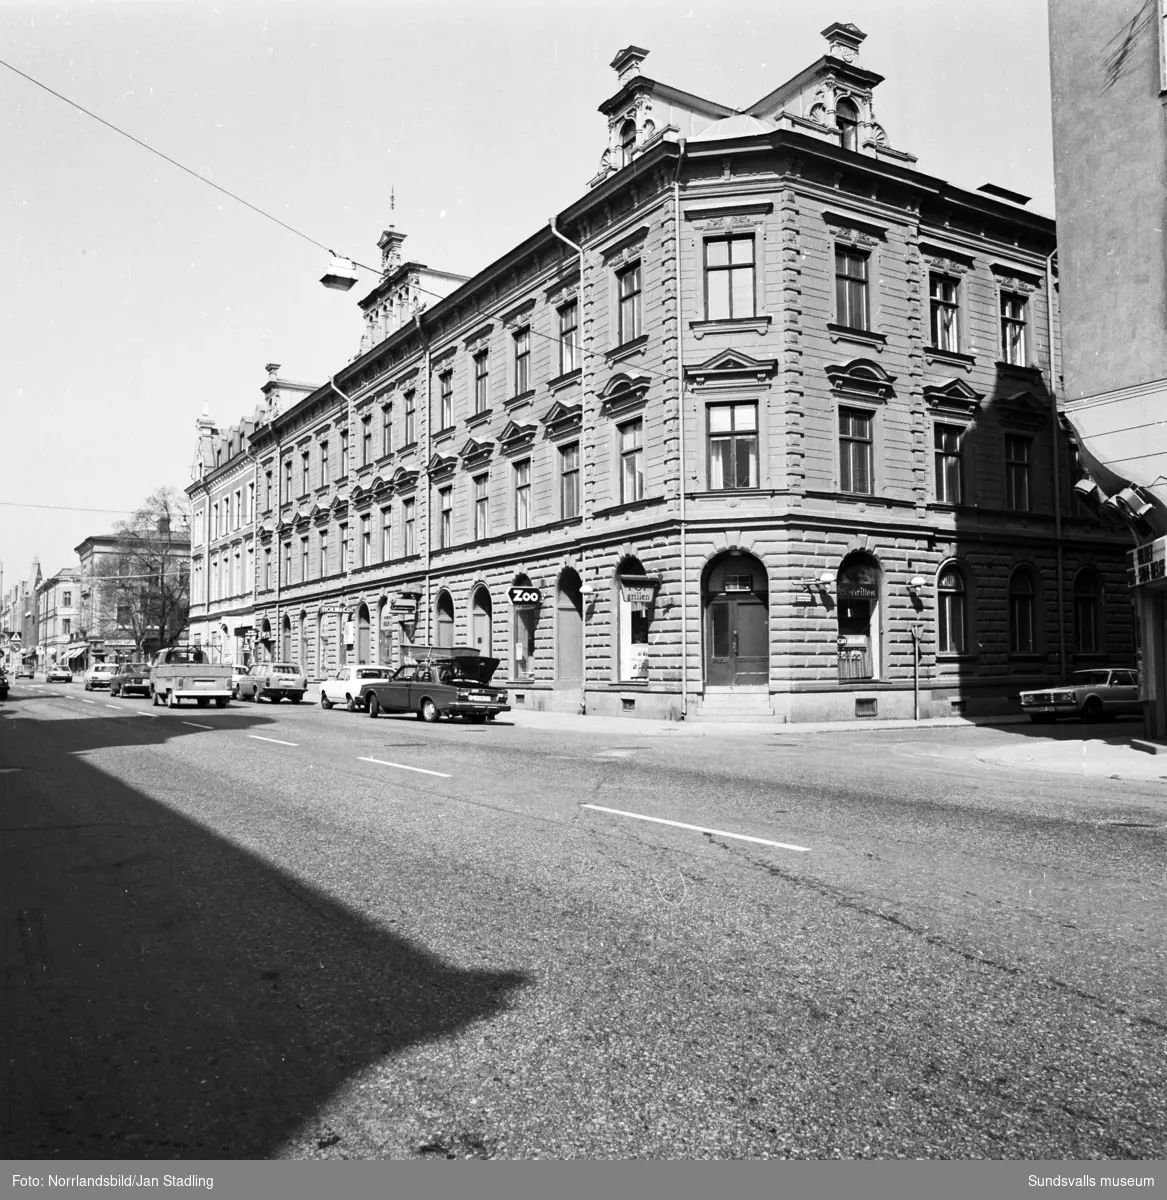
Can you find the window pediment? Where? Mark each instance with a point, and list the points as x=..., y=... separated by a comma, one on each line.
x=857, y=228
x=861, y=379
x=441, y=465
x=475, y=452
x=479, y=338
x=944, y=258
x=623, y=392
x=731, y=368
x=516, y=436
x=1016, y=279
x=562, y=418
x=626, y=247
x=404, y=479
x=954, y=398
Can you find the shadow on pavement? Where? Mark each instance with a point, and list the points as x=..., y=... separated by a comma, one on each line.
x=169, y=994
x=1116, y=731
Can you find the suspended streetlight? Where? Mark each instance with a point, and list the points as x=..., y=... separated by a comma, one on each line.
x=341, y=274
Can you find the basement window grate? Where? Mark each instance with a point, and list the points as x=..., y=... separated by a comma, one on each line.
x=957, y=706
x=627, y=705
x=867, y=708
x=520, y=697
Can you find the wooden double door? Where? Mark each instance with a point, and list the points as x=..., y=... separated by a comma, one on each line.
x=737, y=640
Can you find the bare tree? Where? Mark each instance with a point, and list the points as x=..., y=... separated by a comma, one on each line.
x=141, y=587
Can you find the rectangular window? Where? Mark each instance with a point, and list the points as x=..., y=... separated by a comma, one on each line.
x=343, y=452
x=851, y=288
x=629, y=316
x=631, y=461
x=446, y=521
x=237, y=501
x=267, y=491
x=288, y=560
x=267, y=568
x=522, y=361
x=949, y=474
x=569, y=481
x=944, y=311
x=855, y=451
x=287, y=499
x=66, y=624
x=1017, y=473
x=445, y=399
x=387, y=430
x=366, y=440
x=481, y=381
x=123, y=617
x=214, y=521
x=303, y=559
x=323, y=558
x=66, y=599
x=569, y=337
x=481, y=508
x=249, y=580
x=523, y=494
x=1013, y=348
x=733, y=446
x=729, y=278
x=304, y=473
x=410, y=418
x=386, y=534
x=323, y=463
x=366, y=540
x=249, y=515
x=343, y=564
x=408, y=544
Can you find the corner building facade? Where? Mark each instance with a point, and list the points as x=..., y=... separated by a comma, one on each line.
x=762, y=425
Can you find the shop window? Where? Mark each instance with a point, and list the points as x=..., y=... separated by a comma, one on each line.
x=635, y=596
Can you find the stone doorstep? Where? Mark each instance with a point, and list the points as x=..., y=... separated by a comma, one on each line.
x=1148, y=747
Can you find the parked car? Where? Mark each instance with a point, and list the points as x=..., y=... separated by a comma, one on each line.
x=1090, y=694
x=344, y=686
x=99, y=675
x=275, y=681
x=58, y=675
x=3, y=684
x=25, y=673
x=187, y=673
x=439, y=687
x=130, y=679
x=238, y=672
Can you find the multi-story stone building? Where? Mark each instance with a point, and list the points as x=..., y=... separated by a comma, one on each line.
x=762, y=423
x=224, y=496
x=58, y=605
x=1109, y=77
x=18, y=621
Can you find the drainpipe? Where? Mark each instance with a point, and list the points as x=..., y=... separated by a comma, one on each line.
x=681, y=440
x=1056, y=432
x=428, y=491
x=583, y=444
x=344, y=603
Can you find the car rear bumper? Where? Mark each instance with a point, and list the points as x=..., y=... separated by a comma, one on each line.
x=465, y=708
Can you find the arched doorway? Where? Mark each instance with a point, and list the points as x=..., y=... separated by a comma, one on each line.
x=858, y=591
x=264, y=651
x=481, y=619
x=363, y=633
x=303, y=631
x=526, y=620
x=569, y=639
x=321, y=646
x=634, y=595
x=285, y=649
x=736, y=601
x=384, y=634
x=445, y=619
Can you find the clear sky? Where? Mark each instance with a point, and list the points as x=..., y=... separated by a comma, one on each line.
x=131, y=294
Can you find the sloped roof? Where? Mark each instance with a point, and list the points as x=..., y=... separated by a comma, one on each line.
x=739, y=125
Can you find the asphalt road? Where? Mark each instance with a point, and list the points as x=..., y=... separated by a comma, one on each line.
x=273, y=931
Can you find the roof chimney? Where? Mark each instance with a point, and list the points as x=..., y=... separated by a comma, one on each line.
x=626, y=64
x=843, y=40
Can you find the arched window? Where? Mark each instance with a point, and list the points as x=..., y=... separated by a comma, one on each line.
x=481, y=622
x=847, y=119
x=1022, y=612
x=445, y=615
x=1087, y=613
x=526, y=620
x=627, y=142
x=635, y=596
x=952, y=611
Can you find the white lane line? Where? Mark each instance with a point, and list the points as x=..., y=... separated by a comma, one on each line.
x=196, y=725
x=277, y=741
x=84, y=701
x=402, y=767
x=741, y=837
x=119, y=707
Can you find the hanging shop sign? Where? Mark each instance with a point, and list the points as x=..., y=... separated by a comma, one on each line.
x=525, y=597
x=403, y=606
x=639, y=590
x=857, y=591
x=1148, y=562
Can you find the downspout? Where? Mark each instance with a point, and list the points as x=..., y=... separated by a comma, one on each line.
x=348, y=425
x=428, y=496
x=681, y=439
x=583, y=444
x=278, y=547
x=1056, y=449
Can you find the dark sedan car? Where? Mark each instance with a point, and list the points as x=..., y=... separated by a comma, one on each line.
x=442, y=687
x=130, y=679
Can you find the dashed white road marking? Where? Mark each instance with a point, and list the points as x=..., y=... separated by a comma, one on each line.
x=740, y=837
x=277, y=741
x=84, y=701
x=119, y=707
x=402, y=767
x=196, y=725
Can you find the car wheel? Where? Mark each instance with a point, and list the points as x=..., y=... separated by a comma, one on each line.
x=297, y=698
x=235, y=692
x=324, y=700
x=221, y=701
x=1092, y=710
x=350, y=704
x=374, y=705
x=429, y=711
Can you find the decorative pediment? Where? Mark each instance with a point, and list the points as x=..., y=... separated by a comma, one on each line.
x=441, y=465
x=954, y=397
x=861, y=379
x=623, y=392
x=562, y=418
x=944, y=258
x=479, y=338
x=731, y=368
x=1023, y=410
x=404, y=478
x=855, y=228
x=1015, y=278
x=475, y=451
x=516, y=436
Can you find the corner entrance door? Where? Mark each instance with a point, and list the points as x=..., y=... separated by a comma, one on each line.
x=737, y=636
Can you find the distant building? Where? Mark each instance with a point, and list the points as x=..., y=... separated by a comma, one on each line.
x=1109, y=78
x=761, y=425
x=18, y=620
x=58, y=607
